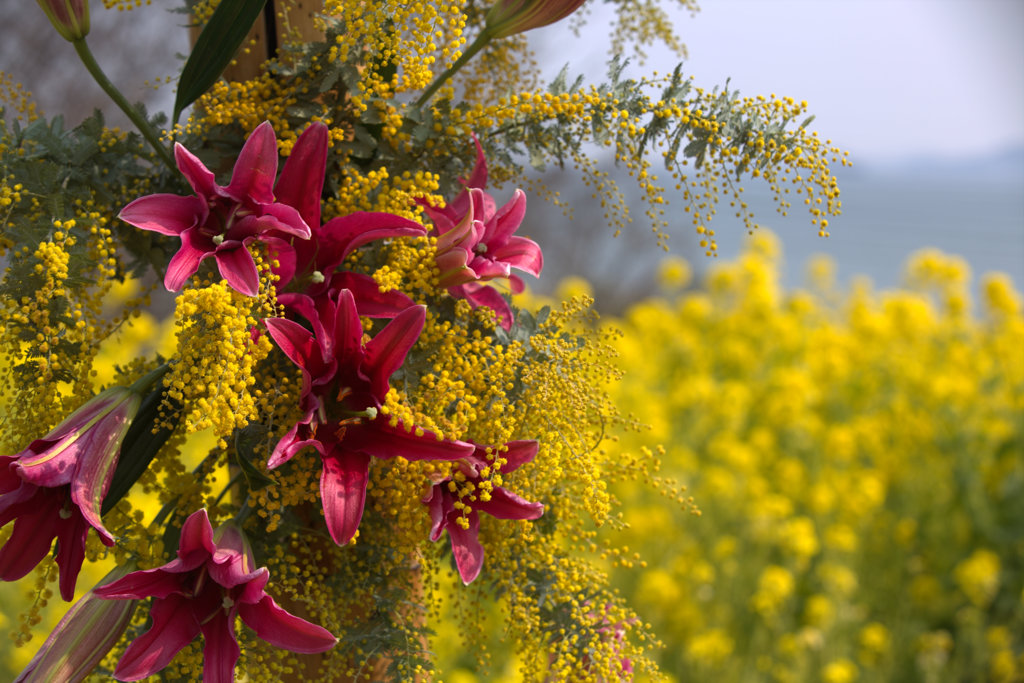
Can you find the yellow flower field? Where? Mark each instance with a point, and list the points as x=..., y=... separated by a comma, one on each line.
x=858, y=458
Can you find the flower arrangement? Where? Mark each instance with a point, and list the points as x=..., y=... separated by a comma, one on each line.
x=354, y=301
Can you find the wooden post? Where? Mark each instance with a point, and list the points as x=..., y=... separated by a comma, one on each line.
x=284, y=22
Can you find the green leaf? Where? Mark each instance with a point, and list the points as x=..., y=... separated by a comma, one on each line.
x=214, y=49
x=141, y=444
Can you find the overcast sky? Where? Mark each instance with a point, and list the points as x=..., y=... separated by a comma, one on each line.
x=887, y=79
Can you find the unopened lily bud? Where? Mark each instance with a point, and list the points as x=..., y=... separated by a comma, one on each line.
x=82, y=638
x=509, y=17
x=69, y=17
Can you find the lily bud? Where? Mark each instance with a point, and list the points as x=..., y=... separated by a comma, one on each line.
x=69, y=17
x=509, y=17
x=82, y=638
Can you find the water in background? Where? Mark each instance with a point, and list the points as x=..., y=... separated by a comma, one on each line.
x=887, y=216
x=974, y=209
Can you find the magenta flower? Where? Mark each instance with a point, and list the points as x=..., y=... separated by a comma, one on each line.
x=345, y=383
x=213, y=580
x=223, y=221
x=311, y=266
x=317, y=261
x=55, y=487
x=475, y=243
x=455, y=504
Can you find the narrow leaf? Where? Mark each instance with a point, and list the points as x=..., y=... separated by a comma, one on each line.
x=214, y=49
x=140, y=445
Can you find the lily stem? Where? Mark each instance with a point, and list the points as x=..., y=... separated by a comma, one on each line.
x=140, y=122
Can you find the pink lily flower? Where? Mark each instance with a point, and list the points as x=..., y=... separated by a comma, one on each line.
x=311, y=265
x=448, y=508
x=317, y=261
x=213, y=580
x=475, y=243
x=345, y=383
x=55, y=487
x=223, y=221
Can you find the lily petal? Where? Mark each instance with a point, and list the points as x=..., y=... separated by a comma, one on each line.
x=167, y=214
x=174, y=627
x=506, y=505
x=237, y=267
x=196, y=536
x=469, y=554
x=278, y=627
x=28, y=544
x=256, y=168
x=284, y=218
x=296, y=342
x=519, y=453
x=386, y=352
x=198, y=176
x=347, y=337
x=98, y=456
x=340, y=236
x=508, y=219
x=522, y=253
x=489, y=297
x=71, y=535
x=436, y=506
x=343, y=492
x=185, y=263
x=379, y=439
x=303, y=174
x=291, y=443
x=370, y=301
x=158, y=582
x=221, y=651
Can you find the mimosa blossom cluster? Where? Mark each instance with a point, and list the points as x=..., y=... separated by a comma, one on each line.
x=355, y=302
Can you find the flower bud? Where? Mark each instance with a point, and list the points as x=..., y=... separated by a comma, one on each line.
x=69, y=17
x=509, y=17
x=82, y=638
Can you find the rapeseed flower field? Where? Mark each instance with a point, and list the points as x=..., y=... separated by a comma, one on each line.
x=858, y=460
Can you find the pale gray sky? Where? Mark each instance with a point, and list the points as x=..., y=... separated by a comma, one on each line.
x=887, y=79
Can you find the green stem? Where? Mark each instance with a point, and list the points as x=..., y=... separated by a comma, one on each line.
x=234, y=480
x=141, y=123
x=477, y=45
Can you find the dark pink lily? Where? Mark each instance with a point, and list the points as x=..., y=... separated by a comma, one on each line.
x=475, y=243
x=213, y=580
x=311, y=266
x=55, y=487
x=317, y=261
x=455, y=504
x=345, y=383
x=223, y=221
